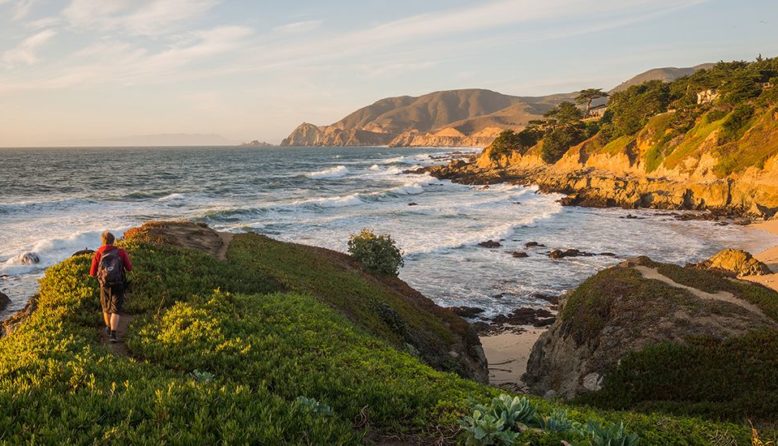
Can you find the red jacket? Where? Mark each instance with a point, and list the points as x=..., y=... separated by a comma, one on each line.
x=99, y=253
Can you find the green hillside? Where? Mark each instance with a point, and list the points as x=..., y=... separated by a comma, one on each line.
x=728, y=111
x=278, y=344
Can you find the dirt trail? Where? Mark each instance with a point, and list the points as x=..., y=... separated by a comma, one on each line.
x=724, y=296
x=226, y=239
x=118, y=348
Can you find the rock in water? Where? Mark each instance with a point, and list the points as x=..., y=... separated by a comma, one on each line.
x=562, y=253
x=29, y=258
x=4, y=301
x=737, y=262
x=490, y=244
x=83, y=252
x=467, y=312
x=519, y=254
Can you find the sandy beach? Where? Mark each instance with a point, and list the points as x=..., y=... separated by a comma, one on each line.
x=508, y=353
x=769, y=256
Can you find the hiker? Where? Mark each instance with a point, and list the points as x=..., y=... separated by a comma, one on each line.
x=109, y=265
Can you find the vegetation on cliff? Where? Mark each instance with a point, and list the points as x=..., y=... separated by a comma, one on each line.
x=735, y=96
x=705, y=141
x=278, y=344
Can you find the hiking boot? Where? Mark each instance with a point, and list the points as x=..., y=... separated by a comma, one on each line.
x=113, y=337
x=107, y=331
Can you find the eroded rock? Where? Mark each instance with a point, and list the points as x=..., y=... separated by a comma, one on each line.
x=4, y=301
x=736, y=262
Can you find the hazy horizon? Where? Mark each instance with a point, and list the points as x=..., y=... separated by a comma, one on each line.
x=77, y=71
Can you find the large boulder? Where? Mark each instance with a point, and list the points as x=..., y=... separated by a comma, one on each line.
x=736, y=262
x=4, y=301
x=626, y=308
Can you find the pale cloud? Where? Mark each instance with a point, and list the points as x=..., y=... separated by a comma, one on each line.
x=22, y=9
x=145, y=17
x=25, y=52
x=299, y=27
x=45, y=22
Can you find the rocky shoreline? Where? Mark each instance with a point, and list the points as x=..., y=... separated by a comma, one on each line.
x=591, y=188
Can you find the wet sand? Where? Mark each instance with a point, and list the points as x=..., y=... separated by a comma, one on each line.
x=508, y=353
x=769, y=256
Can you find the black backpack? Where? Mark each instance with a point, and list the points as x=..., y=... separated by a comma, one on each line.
x=111, y=269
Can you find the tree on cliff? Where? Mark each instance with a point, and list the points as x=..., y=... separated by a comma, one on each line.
x=587, y=96
x=564, y=130
x=629, y=110
x=564, y=114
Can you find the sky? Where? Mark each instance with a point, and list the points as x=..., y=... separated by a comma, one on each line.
x=75, y=72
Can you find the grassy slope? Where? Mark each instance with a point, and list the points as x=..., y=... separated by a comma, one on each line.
x=732, y=379
x=757, y=143
x=262, y=349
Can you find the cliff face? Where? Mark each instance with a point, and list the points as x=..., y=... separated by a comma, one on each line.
x=692, y=171
x=447, y=118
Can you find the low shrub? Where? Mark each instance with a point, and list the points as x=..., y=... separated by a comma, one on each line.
x=379, y=253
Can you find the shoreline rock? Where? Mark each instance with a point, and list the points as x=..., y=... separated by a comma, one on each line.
x=735, y=262
x=4, y=301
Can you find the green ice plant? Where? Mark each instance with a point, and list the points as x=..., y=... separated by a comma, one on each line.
x=201, y=376
x=487, y=429
x=558, y=421
x=518, y=411
x=610, y=435
x=311, y=405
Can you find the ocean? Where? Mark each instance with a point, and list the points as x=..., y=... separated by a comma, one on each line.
x=54, y=202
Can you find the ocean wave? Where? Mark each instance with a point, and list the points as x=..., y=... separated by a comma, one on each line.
x=52, y=251
x=43, y=205
x=333, y=202
x=333, y=172
x=171, y=197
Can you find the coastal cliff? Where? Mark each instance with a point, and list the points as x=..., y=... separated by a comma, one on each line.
x=704, y=148
x=659, y=336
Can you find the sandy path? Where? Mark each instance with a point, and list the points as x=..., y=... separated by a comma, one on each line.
x=769, y=256
x=724, y=296
x=226, y=238
x=508, y=353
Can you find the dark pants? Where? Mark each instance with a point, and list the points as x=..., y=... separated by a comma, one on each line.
x=112, y=298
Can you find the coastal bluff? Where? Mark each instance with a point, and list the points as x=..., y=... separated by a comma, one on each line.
x=647, y=334
x=708, y=141
x=249, y=340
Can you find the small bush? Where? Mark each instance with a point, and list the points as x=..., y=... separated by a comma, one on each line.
x=379, y=253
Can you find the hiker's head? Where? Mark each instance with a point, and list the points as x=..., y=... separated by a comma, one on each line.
x=107, y=238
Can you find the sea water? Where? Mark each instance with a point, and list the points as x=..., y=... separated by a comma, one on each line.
x=54, y=202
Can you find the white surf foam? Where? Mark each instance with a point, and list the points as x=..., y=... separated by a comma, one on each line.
x=334, y=172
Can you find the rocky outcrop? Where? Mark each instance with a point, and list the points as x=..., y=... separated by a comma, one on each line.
x=10, y=324
x=624, y=309
x=736, y=262
x=4, y=301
